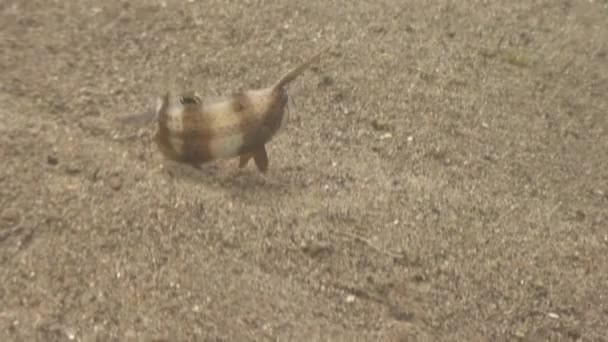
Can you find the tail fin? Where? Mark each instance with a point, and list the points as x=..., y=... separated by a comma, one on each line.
x=292, y=74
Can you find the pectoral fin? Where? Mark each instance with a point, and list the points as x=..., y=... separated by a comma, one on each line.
x=260, y=157
x=244, y=159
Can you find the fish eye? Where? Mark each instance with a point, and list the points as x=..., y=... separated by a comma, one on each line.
x=189, y=100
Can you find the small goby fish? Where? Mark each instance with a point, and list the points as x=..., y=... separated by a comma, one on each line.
x=193, y=130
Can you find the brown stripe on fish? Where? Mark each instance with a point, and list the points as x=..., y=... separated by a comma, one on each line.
x=255, y=132
x=276, y=114
x=197, y=133
x=249, y=124
x=223, y=124
x=184, y=132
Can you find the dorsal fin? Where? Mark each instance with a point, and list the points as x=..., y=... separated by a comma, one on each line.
x=295, y=72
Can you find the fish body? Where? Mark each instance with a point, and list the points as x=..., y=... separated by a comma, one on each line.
x=194, y=131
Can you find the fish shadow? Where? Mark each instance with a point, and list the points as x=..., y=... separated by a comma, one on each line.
x=246, y=183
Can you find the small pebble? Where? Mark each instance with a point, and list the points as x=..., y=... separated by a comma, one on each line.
x=520, y=333
x=380, y=125
x=315, y=249
x=72, y=169
x=10, y=216
x=377, y=28
x=52, y=160
x=71, y=335
x=350, y=299
x=326, y=81
x=115, y=182
x=338, y=97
